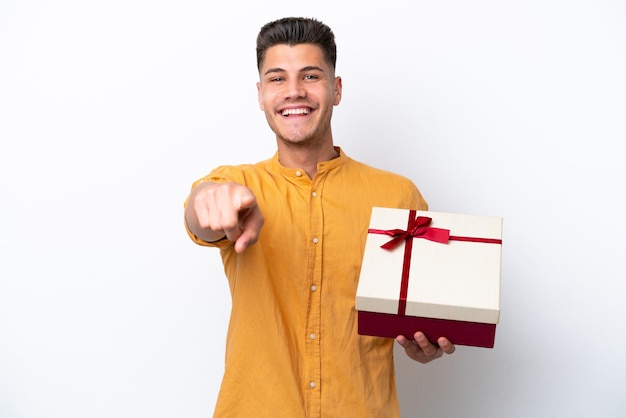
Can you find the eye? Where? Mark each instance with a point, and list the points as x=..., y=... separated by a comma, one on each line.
x=276, y=79
x=310, y=77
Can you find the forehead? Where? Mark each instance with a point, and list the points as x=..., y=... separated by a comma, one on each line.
x=293, y=57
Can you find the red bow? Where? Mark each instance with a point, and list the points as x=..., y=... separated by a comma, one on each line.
x=417, y=228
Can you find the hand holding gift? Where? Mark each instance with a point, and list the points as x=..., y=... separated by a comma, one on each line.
x=422, y=350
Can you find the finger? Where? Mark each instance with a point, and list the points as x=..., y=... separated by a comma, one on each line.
x=446, y=345
x=404, y=342
x=249, y=233
x=427, y=347
x=229, y=223
x=214, y=209
x=246, y=200
x=234, y=221
x=411, y=348
x=251, y=230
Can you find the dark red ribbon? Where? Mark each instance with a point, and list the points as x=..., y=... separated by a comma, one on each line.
x=417, y=227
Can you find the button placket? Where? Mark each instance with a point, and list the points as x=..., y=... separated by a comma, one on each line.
x=314, y=313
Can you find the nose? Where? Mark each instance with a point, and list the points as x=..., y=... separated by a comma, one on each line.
x=295, y=89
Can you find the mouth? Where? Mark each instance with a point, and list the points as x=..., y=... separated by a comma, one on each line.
x=300, y=111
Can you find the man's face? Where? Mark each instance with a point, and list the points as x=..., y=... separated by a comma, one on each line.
x=297, y=92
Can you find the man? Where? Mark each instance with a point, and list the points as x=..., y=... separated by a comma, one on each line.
x=291, y=231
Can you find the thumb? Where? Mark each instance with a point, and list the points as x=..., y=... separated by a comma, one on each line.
x=246, y=201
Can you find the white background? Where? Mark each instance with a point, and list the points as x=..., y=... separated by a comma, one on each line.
x=110, y=109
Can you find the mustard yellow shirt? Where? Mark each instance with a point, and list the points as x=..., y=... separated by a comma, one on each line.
x=292, y=347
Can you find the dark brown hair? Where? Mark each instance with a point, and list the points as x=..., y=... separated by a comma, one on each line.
x=294, y=31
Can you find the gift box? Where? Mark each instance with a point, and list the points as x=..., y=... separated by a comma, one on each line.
x=434, y=272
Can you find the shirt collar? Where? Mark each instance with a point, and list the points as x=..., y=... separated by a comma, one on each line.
x=321, y=166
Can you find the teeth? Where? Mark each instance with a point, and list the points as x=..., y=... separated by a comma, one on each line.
x=287, y=112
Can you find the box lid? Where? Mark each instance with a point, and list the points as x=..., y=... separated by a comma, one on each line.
x=457, y=280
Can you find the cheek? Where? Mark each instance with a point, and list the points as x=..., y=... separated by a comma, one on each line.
x=265, y=101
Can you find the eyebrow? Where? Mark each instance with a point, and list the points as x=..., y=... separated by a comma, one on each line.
x=305, y=69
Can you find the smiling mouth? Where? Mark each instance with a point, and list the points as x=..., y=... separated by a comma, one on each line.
x=300, y=111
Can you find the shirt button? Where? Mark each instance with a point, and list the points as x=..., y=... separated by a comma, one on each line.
x=312, y=336
x=312, y=384
x=315, y=240
x=313, y=288
x=298, y=173
x=314, y=194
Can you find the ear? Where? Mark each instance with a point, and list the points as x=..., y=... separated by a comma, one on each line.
x=337, y=91
x=258, y=90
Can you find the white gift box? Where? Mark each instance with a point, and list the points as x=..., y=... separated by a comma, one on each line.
x=441, y=278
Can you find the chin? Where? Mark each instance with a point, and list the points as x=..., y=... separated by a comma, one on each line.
x=296, y=139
